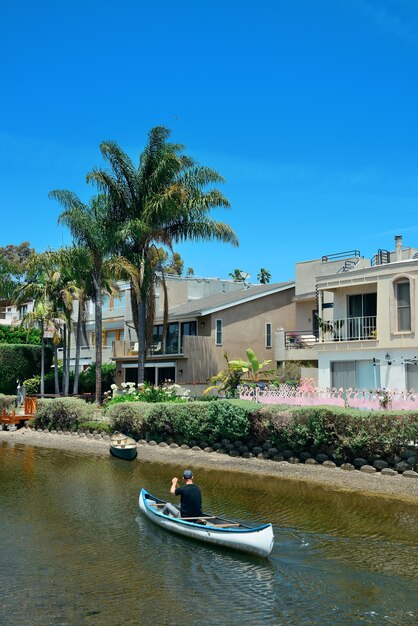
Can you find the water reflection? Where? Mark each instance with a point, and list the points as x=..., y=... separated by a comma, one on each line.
x=81, y=554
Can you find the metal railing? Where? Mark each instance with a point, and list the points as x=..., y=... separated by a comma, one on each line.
x=341, y=255
x=349, y=329
x=300, y=339
x=380, y=258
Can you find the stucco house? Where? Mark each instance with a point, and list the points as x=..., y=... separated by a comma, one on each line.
x=200, y=332
x=357, y=318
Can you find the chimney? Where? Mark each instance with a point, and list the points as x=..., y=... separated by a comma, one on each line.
x=398, y=244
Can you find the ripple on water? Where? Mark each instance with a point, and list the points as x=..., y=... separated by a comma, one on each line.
x=81, y=554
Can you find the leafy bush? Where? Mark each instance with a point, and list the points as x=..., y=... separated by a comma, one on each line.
x=7, y=403
x=180, y=423
x=63, y=412
x=32, y=385
x=86, y=382
x=342, y=433
x=129, y=418
x=19, y=362
x=145, y=392
x=20, y=335
x=224, y=420
x=104, y=427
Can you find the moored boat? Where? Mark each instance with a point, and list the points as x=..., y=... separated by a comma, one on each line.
x=208, y=528
x=123, y=447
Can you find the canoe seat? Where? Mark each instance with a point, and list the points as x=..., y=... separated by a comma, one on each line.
x=225, y=525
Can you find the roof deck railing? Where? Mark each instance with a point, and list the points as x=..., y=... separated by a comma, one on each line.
x=341, y=255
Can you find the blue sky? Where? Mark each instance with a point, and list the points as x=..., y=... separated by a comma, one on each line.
x=308, y=109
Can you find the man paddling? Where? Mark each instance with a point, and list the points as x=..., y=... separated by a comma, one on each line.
x=190, y=496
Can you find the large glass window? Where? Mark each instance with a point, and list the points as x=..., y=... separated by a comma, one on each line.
x=157, y=339
x=412, y=376
x=362, y=310
x=188, y=329
x=172, y=339
x=352, y=374
x=403, y=303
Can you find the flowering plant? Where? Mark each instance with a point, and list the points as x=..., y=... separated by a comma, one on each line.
x=145, y=392
x=385, y=399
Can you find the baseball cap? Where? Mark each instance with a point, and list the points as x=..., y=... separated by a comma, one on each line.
x=187, y=474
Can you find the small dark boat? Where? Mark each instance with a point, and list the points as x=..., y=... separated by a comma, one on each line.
x=123, y=447
x=208, y=528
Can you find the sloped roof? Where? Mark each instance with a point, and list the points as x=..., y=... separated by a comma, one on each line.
x=220, y=301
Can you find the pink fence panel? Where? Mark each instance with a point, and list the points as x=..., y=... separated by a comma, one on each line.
x=307, y=394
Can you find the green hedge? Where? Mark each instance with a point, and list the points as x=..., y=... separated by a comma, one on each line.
x=20, y=335
x=66, y=413
x=340, y=433
x=86, y=381
x=18, y=362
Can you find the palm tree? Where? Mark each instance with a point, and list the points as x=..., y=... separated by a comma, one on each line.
x=50, y=297
x=237, y=276
x=161, y=202
x=264, y=276
x=90, y=226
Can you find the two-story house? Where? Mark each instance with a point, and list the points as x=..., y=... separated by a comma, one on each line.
x=363, y=331
x=200, y=332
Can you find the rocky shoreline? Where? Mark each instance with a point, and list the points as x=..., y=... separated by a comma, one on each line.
x=396, y=486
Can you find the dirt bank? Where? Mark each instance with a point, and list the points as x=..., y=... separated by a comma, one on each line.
x=396, y=487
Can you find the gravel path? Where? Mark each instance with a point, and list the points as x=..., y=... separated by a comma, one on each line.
x=396, y=487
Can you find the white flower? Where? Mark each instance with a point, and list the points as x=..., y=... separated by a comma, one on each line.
x=113, y=386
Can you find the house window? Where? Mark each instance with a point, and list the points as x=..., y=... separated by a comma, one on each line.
x=403, y=304
x=218, y=333
x=23, y=311
x=268, y=335
x=351, y=374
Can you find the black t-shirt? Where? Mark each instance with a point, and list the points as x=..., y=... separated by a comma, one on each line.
x=190, y=500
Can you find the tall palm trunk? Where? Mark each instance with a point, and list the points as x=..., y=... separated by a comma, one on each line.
x=141, y=333
x=98, y=335
x=64, y=359
x=78, y=343
x=42, y=359
x=56, y=376
x=67, y=357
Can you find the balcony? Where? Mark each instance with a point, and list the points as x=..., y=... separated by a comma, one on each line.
x=130, y=349
x=349, y=329
x=87, y=354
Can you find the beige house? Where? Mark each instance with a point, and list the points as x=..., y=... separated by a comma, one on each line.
x=362, y=315
x=200, y=332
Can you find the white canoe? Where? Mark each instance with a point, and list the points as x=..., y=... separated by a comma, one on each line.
x=215, y=530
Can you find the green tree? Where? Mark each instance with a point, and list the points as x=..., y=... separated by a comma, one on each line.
x=13, y=260
x=253, y=367
x=237, y=276
x=91, y=227
x=163, y=201
x=52, y=299
x=264, y=276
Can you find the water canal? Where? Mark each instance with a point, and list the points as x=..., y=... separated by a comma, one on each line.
x=73, y=550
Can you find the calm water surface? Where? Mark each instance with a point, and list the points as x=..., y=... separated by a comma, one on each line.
x=74, y=550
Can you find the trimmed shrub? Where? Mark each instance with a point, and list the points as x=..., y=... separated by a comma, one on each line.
x=63, y=412
x=19, y=362
x=225, y=421
x=7, y=403
x=104, y=427
x=178, y=423
x=129, y=418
